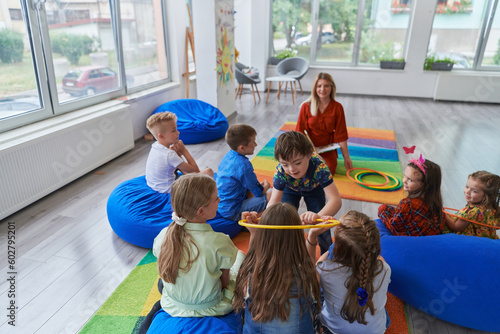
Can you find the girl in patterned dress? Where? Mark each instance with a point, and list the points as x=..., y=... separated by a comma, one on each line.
x=482, y=193
x=421, y=212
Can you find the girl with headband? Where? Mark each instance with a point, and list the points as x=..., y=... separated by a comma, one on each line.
x=420, y=213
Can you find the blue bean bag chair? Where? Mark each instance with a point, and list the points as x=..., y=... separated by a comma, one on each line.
x=137, y=213
x=452, y=277
x=163, y=323
x=197, y=121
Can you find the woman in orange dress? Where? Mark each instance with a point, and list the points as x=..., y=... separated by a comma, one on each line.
x=324, y=120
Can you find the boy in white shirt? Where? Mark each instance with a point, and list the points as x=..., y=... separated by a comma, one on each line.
x=166, y=153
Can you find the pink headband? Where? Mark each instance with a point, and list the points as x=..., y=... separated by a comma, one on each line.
x=419, y=163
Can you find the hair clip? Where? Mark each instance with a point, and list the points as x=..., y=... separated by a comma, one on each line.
x=178, y=220
x=362, y=296
x=419, y=163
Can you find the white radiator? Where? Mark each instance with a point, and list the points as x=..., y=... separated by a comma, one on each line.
x=33, y=167
x=469, y=87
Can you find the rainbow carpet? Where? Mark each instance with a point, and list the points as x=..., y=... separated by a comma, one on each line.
x=125, y=310
x=368, y=148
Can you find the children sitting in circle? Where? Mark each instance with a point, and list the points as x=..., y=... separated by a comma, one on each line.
x=167, y=152
x=303, y=174
x=277, y=290
x=482, y=194
x=239, y=189
x=420, y=213
x=197, y=266
x=354, y=277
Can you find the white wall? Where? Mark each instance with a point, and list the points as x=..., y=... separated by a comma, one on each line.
x=413, y=81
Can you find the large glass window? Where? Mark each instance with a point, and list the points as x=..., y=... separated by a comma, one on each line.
x=57, y=56
x=457, y=31
x=291, y=27
x=491, y=56
x=467, y=33
x=143, y=39
x=20, y=92
x=348, y=32
x=384, y=30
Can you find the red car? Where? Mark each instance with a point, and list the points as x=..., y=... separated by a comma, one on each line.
x=89, y=80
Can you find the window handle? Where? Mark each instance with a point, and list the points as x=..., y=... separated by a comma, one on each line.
x=38, y=4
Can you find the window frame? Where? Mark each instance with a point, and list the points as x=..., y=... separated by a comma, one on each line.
x=37, y=29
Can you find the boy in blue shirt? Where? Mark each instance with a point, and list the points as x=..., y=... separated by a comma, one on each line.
x=238, y=187
x=303, y=173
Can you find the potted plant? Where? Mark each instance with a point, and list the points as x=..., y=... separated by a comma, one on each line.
x=393, y=64
x=287, y=53
x=434, y=64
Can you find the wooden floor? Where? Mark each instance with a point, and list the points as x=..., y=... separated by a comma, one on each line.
x=69, y=260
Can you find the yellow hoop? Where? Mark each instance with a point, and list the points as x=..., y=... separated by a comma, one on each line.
x=332, y=223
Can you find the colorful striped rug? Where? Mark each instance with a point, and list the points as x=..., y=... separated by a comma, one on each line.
x=368, y=148
x=125, y=310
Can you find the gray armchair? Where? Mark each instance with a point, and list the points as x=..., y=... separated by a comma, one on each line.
x=245, y=78
x=295, y=67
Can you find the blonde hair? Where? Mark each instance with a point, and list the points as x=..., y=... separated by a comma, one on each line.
x=270, y=274
x=155, y=122
x=314, y=98
x=491, y=189
x=189, y=193
x=357, y=246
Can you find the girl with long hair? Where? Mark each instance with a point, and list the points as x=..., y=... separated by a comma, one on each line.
x=354, y=278
x=482, y=194
x=421, y=212
x=277, y=289
x=194, y=262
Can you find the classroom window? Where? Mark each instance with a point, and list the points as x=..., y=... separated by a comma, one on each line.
x=63, y=56
x=349, y=32
x=468, y=36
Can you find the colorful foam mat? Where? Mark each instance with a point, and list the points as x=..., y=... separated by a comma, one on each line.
x=125, y=310
x=368, y=148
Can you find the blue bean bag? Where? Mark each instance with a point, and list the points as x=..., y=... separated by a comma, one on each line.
x=197, y=121
x=137, y=213
x=452, y=277
x=163, y=323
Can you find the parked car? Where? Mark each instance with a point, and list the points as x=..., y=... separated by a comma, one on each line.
x=326, y=38
x=14, y=106
x=89, y=80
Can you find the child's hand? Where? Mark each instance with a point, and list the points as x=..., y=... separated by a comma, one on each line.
x=179, y=148
x=325, y=218
x=251, y=217
x=266, y=186
x=309, y=217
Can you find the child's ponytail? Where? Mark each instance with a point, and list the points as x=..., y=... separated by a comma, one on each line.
x=357, y=245
x=189, y=193
x=174, y=250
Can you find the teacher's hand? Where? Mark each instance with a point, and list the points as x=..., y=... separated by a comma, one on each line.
x=348, y=163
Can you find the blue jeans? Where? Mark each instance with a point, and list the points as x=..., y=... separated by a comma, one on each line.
x=296, y=324
x=257, y=204
x=315, y=201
